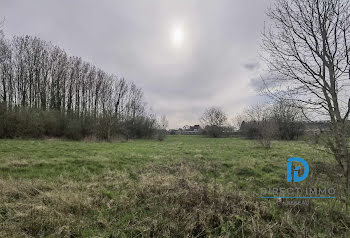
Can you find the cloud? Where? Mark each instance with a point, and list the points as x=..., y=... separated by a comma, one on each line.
x=252, y=66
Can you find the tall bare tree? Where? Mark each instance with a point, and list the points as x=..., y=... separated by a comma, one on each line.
x=213, y=116
x=120, y=90
x=307, y=48
x=6, y=71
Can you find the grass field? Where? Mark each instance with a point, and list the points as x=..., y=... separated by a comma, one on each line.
x=183, y=186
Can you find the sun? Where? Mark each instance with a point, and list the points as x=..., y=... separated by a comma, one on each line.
x=177, y=36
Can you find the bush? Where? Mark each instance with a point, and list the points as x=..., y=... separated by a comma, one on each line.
x=106, y=127
x=140, y=127
x=267, y=132
x=161, y=134
x=29, y=124
x=54, y=123
x=73, y=130
x=214, y=131
x=8, y=122
x=264, y=131
x=87, y=126
x=290, y=130
x=35, y=123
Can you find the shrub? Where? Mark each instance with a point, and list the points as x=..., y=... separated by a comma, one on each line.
x=214, y=131
x=161, y=134
x=140, y=127
x=8, y=122
x=105, y=127
x=264, y=131
x=54, y=123
x=29, y=123
x=73, y=130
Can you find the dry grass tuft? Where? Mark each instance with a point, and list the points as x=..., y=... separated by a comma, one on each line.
x=175, y=200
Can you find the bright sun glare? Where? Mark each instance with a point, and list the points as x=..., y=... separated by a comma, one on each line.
x=177, y=36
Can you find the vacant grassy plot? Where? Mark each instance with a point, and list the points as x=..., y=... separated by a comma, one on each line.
x=184, y=186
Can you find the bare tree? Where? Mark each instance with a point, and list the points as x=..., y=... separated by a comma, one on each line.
x=260, y=124
x=308, y=52
x=120, y=91
x=1, y=42
x=162, y=128
x=134, y=104
x=289, y=120
x=6, y=71
x=1, y=31
x=213, y=120
x=213, y=116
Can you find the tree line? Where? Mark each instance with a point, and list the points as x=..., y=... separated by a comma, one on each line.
x=44, y=91
x=279, y=120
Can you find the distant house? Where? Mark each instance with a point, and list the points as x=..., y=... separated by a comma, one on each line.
x=195, y=128
x=188, y=130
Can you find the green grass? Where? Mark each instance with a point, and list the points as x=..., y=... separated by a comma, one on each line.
x=183, y=186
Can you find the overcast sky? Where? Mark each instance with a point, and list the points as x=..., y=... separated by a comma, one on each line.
x=185, y=55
